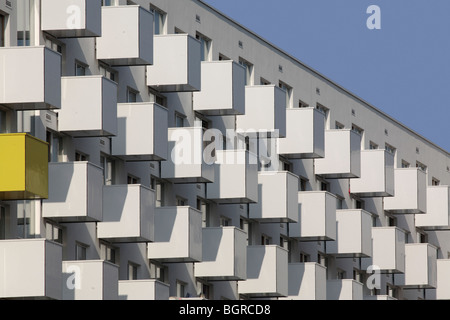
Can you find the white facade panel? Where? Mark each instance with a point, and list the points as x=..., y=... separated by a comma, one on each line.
x=437, y=216
x=345, y=289
x=420, y=265
x=307, y=281
x=388, y=245
x=443, y=279
x=144, y=290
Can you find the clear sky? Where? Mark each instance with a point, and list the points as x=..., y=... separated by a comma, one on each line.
x=402, y=68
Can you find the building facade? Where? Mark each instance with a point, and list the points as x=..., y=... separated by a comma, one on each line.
x=160, y=150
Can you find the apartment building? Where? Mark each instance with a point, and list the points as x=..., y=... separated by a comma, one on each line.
x=160, y=150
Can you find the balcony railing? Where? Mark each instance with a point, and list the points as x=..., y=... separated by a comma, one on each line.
x=388, y=245
x=345, y=289
x=437, y=216
x=307, y=281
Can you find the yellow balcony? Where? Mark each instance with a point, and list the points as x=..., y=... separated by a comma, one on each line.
x=23, y=167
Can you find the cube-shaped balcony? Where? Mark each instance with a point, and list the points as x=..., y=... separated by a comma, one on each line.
x=235, y=178
x=224, y=94
x=128, y=214
x=71, y=18
x=420, y=266
x=443, y=276
x=281, y=208
x=178, y=235
x=388, y=249
x=307, y=281
x=344, y=145
x=143, y=290
x=377, y=175
x=410, y=192
x=354, y=234
x=305, y=134
x=31, y=78
x=90, y=280
x=317, y=218
x=267, y=272
x=30, y=268
x=186, y=162
x=23, y=167
x=127, y=36
x=265, y=111
x=142, y=132
x=224, y=255
x=91, y=114
x=345, y=289
x=379, y=298
x=74, y=192
x=177, y=65
x=438, y=209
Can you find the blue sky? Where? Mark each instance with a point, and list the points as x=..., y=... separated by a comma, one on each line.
x=402, y=69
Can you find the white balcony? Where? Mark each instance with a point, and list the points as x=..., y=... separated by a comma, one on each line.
x=30, y=268
x=75, y=190
x=224, y=255
x=420, y=265
x=280, y=208
x=438, y=209
x=128, y=214
x=143, y=290
x=177, y=64
x=235, y=178
x=317, y=218
x=377, y=175
x=89, y=107
x=344, y=145
x=379, y=298
x=307, y=281
x=223, y=89
x=388, y=249
x=186, y=163
x=71, y=18
x=265, y=110
x=142, y=132
x=305, y=134
x=31, y=78
x=345, y=289
x=443, y=283
x=354, y=234
x=410, y=192
x=267, y=272
x=90, y=280
x=178, y=235
x=127, y=36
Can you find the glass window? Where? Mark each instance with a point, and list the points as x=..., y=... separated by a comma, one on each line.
x=159, y=20
x=288, y=90
x=131, y=96
x=81, y=251
x=79, y=156
x=132, y=271
x=179, y=120
x=26, y=219
x=80, y=69
x=2, y=30
x=133, y=180
x=158, y=272
x=108, y=252
x=181, y=288
x=204, y=207
x=2, y=223
x=248, y=71
x=53, y=232
x=108, y=166
x=3, y=121
x=205, y=47
x=405, y=164
x=23, y=22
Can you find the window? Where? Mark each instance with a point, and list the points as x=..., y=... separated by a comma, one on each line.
x=3, y=223
x=225, y=221
x=179, y=120
x=159, y=20
x=339, y=126
x=246, y=226
x=341, y=274
x=181, y=202
x=357, y=275
x=284, y=242
x=2, y=30
x=248, y=71
x=55, y=147
x=204, y=290
x=79, y=156
x=358, y=203
x=422, y=237
x=288, y=90
x=302, y=104
x=107, y=72
x=265, y=240
x=53, y=232
x=339, y=202
x=205, y=47
x=132, y=95
x=26, y=219
x=205, y=123
x=108, y=252
x=159, y=272
x=322, y=259
x=435, y=182
x=421, y=166
x=373, y=145
x=357, y=129
x=3, y=117
x=304, y=257
x=264, y=82
x=391, y=221
x=390, y=149
x=81, y=251
x=108, y=3
x=24, y=24
x=158, y=186
x=325, y=111
x=109, y=168
x=204, y=208
x=132, y=271
x=155, y=97
x=391, y=291
x=132, y=179
x=303, y=184
x=80, y=69
x=181, y=289
x=53, y=44
x=179, y=31
x=223, y=57
x=405, y=164
x=323, y=185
